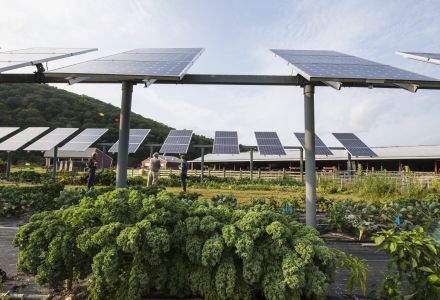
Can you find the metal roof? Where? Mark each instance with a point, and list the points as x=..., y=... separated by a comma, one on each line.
x=73, y=154
x=384, y=153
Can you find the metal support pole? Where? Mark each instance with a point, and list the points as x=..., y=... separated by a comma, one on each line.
x=301, y=164
x=54, y=166
x=8, y=165
x=151, y=151
x=309, y=118
x=124, y=128
x=202, y=162
x=251, y=165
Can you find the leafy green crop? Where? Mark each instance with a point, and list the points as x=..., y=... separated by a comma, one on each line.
x=414, y=265
x=134, y=242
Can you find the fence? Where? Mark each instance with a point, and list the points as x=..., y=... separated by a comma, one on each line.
x=342, y=178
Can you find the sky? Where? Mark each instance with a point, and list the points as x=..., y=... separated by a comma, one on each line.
x=236, y=36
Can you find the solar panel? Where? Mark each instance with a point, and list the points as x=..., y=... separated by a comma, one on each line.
x=15, y=59
x=321, y=65
x=226, y=142
x=269, y=143
x=177, y=142
x=137, y=136
x=320, y=147
x=84, y=140
x=354, y=145
x=51, y=140
x=148, y=63
x=423, y=56
x=5, y=131
x=17, y=141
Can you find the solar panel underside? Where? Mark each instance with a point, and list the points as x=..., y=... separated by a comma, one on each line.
x=177, y=142
x=148, y=63
x=321, y=65
x=84, y=140
x=269, y=143
x=137, y=136
x=5, y=131
x=51, y=140
x=354, y=145
x=426, y=57
x=17, y=141
x=226, y=142
x=320, y=147
x=15, y=59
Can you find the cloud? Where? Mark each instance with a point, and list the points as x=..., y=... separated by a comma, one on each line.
x=237, y=36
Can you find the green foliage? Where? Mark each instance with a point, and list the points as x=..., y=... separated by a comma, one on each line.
x=363, y=218
x=214, y=182
x=373, y=186
x=414, y=266
x=358, y=271
x=18, y=200
x=133, y=242
x=29, y=177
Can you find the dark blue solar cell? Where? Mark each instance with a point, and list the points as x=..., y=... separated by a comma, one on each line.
x=269, y=143
x=320, y=147
x=354, y=145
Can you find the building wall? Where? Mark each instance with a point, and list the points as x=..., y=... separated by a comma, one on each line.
x=418, y=165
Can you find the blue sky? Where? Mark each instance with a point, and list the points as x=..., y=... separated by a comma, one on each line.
x=237, y=36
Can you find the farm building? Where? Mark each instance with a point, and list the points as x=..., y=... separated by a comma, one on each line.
x=424, y=158
x=76, y=160
x=166, y=162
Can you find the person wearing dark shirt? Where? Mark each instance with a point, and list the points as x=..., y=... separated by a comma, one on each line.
x=183, y=171
x=91, y=168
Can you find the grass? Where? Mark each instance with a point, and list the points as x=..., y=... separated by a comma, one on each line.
x=246, y=196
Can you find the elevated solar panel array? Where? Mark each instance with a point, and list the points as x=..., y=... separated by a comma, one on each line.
x=84, y=140
x=433, y=58
x=322, y=65
x=320, y=147
x=51, y=140
x=148, y=63
x=354, y=145
x=10, y=60
x=269, y=143
x=177, y=142
x=226, y=142
x=137, y=136
x=5, y=131
x=17, y=141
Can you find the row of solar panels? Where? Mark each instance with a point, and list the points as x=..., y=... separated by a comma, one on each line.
x=173, y=63
x=57, y=136
x=177, y=141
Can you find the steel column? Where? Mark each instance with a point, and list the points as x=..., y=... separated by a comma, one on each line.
x=301, y=164
x=54, y=166
x=8, y=165
x=124, y=133
x=309, y=118
x=251, y=164
x=202, y=162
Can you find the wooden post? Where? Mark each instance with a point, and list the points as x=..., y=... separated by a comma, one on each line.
x=224, y=173
x=284, y=173
x=259, y=173
x=241, y=173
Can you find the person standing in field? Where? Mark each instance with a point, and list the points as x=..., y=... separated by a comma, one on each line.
x=154, y=169
x=91, y=168
x=183, y=171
